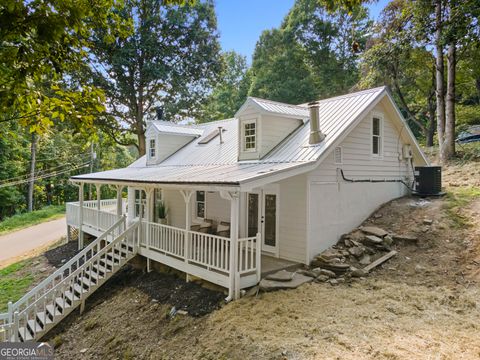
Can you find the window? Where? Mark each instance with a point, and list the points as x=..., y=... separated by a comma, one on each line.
x=152, y=148
x=140, y=198
x=200, y=205
x=249, y=135
x=376, y=136
x=337, y=155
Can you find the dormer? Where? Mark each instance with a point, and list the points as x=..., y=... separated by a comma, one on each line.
x=164, y=138
x=263, y=124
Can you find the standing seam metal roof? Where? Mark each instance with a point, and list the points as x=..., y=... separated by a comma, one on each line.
x=218, y=163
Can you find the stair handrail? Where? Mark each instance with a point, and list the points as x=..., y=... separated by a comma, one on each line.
x=61, y=270
x=87, y=263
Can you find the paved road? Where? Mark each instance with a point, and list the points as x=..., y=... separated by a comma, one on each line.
x=31, y=240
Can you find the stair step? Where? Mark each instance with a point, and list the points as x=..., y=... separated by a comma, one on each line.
x=53, y=311
x=71, y=296
x=117, y=258
x=44, y=318
x=61, y=304
x=34, y=326
x=86, y=282
x=100, y=269
x=94, y=275
x=78, y=290
x=24, y=334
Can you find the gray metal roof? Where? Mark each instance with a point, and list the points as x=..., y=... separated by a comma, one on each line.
x=275, y=107
x=171, y=128
x=218, y=163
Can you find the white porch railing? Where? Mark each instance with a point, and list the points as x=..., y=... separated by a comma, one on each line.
x=98, y=220
x=195, y=250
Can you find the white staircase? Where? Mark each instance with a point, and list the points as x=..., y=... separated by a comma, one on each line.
x=53, y=299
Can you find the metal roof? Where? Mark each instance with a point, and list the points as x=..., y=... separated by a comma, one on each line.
x=217, y=162
x=278, y=108
x=172, y=128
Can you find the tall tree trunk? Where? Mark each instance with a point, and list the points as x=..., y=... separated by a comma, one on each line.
x=430, y=132
x=439, y=72
x=141, y=141
x=449, y=144
x=31, y=183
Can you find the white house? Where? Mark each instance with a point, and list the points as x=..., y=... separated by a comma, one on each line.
x=267, y=171
x=277, y=182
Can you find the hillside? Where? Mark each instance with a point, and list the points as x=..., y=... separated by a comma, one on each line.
x=421, y=304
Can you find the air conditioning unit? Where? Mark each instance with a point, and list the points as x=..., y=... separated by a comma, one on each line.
x=407, y=151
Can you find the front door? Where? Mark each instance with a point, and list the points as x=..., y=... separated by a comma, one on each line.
x=262, y=217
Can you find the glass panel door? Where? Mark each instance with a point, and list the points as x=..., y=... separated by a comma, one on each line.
x=252, y=217
x=270, y=222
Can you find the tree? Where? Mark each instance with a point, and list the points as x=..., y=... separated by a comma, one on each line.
x=314, y=53
x=230, y=92
x=394, y=58
x=41, y=42
x=279, y=71
x=333, y=39
x=171, y=60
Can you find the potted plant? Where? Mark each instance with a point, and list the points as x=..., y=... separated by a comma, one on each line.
x=162, y=212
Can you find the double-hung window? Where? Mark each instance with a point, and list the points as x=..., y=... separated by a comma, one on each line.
x=249, y=135
x=200, y=205
x=377, y=136
x=152, y=148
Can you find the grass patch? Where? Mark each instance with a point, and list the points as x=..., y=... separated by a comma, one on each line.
x=13, y=284
x=457, y=200
x=28, y=219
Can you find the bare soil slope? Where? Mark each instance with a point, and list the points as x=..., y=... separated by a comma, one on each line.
x=422, y=304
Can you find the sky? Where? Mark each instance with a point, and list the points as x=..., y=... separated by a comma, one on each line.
x=241, y=22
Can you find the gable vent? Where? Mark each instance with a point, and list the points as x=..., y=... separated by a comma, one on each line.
x=338, y=155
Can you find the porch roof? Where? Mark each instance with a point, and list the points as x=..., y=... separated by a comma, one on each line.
x=216, y=175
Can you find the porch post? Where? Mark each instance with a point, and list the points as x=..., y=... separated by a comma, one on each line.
x=149, y=218
x=234, y=274
x=187, y=196
x=98, y=187
x=131, y=205
x=80, y=216
x=119, y=201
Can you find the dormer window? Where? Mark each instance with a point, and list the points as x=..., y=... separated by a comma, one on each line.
x=152, y=148
x=249, y=135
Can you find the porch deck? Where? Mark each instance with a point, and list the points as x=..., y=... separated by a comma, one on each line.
x=210, y=257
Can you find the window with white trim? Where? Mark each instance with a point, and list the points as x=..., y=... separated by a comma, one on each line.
x=338, y=155
x=152, y=148
x=376, y=136
x=200, y=204
x=249, y=135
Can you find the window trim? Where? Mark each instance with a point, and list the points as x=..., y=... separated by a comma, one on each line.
x=204, y=205
x=379, y=116
x=154, y=148
x=244, y=142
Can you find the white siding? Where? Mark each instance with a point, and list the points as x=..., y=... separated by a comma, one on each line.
x=293, y=218
x=217, y=208
x=176, y=207
x=336, y=206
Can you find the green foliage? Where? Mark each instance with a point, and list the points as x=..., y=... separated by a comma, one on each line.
x=162, y=210
x=171, y=59
x=230, y=92
x=20, y=221
x=42, y=42
x=13, y=286
x=456, y=202
x=279, y=71
x=313, y=55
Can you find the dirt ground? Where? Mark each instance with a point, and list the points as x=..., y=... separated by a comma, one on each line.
x=421, y=304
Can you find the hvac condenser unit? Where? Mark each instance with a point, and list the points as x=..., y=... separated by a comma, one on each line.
x=428, y=180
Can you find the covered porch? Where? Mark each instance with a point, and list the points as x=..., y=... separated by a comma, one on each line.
x=199, y=237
